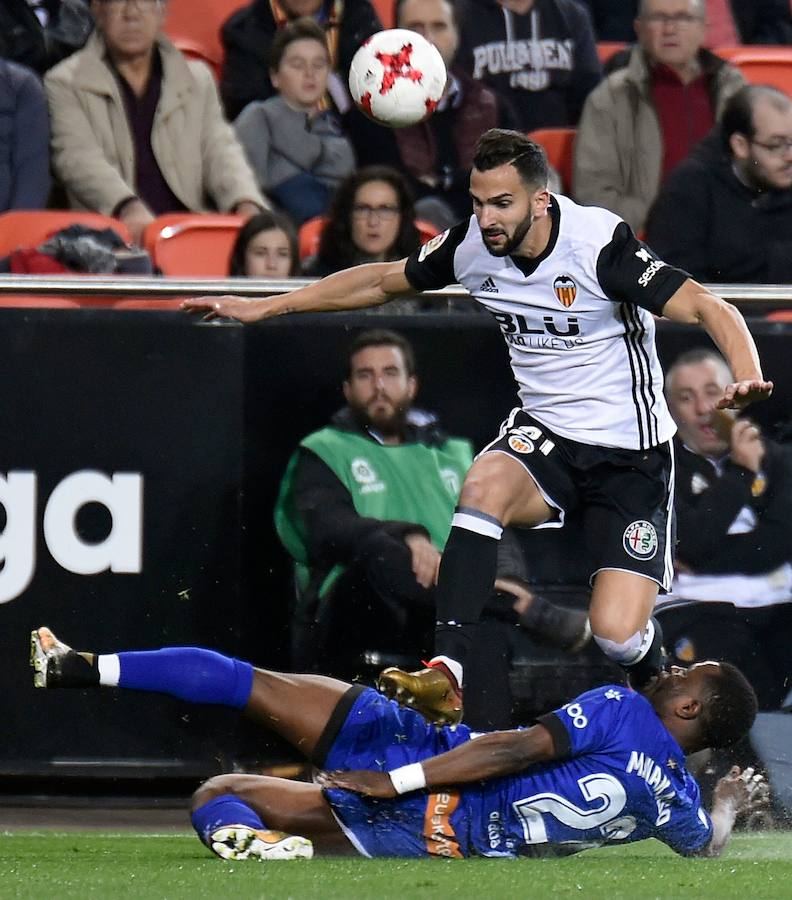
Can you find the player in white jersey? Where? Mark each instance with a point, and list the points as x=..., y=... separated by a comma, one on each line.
x=574, y=292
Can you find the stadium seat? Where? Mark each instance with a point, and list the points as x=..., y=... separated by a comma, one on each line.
x=194, y=26
x=607, y=49
x=386, y=10
x=558, y=144
x=311, y=231
x=192, y=244
x=30, y=227
x=192, y=50
x=762, y=65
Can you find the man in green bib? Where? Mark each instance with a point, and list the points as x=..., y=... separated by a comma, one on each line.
x=365, y=509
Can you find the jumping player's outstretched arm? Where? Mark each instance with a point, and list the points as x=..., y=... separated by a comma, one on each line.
x=357, y=288
x=488, y=756
x=693, y=304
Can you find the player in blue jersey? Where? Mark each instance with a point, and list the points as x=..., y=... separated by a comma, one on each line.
x=608, y=768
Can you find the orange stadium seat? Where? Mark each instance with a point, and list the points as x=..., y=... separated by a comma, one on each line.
x=559, y=145
x=29, y=227
x=762, y=65
x=194, y=26
x=311, y=231
x=386, y=10
x=192, y=244
x=607, y=49
x=192, y=50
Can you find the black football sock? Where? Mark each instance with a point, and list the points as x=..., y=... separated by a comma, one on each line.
x=73, y=670
x=467, y=574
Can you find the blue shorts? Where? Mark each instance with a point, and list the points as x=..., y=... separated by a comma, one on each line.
x=370, y=732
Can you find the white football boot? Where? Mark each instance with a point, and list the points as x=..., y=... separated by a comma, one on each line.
x=244, y=842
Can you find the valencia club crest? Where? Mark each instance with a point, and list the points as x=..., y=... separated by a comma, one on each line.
x=565, y=289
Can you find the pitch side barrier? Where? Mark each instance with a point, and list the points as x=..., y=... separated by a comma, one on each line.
x=139, y=464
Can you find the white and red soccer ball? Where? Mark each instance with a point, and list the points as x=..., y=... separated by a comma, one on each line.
x=397, y=78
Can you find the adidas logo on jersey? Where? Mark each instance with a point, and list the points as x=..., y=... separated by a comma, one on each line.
x=488, y=286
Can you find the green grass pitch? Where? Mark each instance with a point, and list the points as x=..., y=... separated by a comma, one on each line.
x=117, y=865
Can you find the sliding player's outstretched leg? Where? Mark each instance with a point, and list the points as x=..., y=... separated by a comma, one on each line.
x=498, y=490
x=297, y=707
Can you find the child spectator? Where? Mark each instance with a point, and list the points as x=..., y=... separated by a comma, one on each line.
x=296, y=148
x=371, y=220
x=266, y=247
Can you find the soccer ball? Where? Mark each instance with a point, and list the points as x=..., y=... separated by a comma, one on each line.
x=397, y=77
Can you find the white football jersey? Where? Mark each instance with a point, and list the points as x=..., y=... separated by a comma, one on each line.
x=577, y=320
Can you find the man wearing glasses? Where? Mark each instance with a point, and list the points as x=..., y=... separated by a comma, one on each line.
x=137, y=130
x=725, y=215
x=644, y=119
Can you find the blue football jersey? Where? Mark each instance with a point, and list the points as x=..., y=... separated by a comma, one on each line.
x=622, y=778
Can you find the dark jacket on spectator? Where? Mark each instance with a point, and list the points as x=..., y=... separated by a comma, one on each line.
x=247, y=36
x=613, y=19
x=706, y=221
x=25, y=40
x=24, y=139
x=547, y=68
x=706, y=505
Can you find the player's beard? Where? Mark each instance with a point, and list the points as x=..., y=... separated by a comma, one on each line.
x=514, y=241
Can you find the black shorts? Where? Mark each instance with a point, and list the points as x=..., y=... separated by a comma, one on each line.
x=625, y=497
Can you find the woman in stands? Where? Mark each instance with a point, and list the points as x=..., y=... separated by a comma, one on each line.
x=266, y=247
x=371, y=220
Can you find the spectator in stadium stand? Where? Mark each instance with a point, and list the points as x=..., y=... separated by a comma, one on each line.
x=24, y=139
x=248, y=34
x=732, y=590
x=644, y=119
x=296, y=148
x=364, y=510
x=725, y=215
x=437, y=154
x=40, y=33
x=539, y=55
x=371, y=219
x=137, y=129
x=266, y=247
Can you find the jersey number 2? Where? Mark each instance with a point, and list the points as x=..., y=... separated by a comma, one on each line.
x=593, y=787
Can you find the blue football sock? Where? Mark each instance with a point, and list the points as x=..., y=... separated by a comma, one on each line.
x=189, y=673
x=227, y=809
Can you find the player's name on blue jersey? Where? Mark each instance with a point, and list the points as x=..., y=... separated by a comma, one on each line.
x=657, y=780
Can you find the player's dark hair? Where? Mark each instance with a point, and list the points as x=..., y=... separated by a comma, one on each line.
x=336, y=248
x=304, y=29
x=383, y=337
x=263, y=221
x=499, y=146
x=730, y=709
x=738, y=115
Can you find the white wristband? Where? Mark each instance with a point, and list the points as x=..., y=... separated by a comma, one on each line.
x=408, y=778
